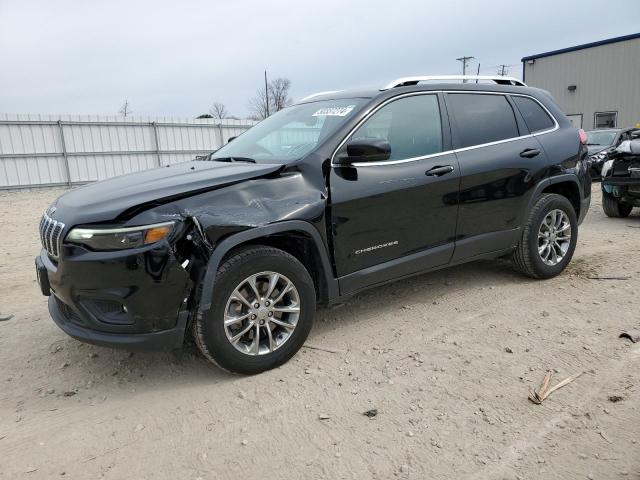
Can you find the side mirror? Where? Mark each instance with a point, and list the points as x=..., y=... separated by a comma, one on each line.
x=367, y=150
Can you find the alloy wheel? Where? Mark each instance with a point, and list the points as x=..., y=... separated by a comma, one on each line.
x=262, y=313
x=554, y=237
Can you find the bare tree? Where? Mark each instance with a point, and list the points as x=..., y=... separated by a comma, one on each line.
x=259, y=104
x=271, y=99
x=279, y=93
x=125, y=109
x=218, y=110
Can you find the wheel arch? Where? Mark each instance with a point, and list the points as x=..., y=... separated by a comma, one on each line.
x=295, y=237
x=568, y=189
x=566, y=185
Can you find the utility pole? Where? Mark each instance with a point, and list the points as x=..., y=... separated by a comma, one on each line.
x=503, y=70
x=266, y=92
x=465, y=62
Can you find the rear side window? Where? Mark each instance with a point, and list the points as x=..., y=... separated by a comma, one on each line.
x=482, y=118
x=534, y=115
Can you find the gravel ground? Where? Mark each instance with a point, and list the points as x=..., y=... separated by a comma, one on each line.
x=447, y=360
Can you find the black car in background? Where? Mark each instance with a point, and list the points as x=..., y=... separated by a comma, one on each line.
x=602, y=142
x=341, y=192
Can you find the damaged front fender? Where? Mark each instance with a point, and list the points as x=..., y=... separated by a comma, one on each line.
x=217, y=221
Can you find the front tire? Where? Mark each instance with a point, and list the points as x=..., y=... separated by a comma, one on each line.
x=614, y=208
x=548, y=239
x=261, y=313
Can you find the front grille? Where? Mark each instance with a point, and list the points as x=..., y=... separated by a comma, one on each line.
x=50, y=233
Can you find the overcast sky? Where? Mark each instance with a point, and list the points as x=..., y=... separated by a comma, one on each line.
x=177, y=57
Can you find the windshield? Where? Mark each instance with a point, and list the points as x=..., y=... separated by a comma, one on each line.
x=601, y=137
x=291, y=133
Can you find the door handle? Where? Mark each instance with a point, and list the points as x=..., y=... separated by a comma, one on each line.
x=529, y=153
x=439, y=171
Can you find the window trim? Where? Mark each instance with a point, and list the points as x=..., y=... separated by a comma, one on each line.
x=615, y=122
x=447, y=152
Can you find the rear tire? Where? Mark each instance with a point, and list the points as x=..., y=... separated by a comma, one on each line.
x=614, y=208
x=545, y=249
x=279, y=335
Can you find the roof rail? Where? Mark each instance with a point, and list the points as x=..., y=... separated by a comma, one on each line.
x=406, y=81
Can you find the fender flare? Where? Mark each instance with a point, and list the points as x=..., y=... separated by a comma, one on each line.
x=563, y=178
x=222, y=248
x=535, y=194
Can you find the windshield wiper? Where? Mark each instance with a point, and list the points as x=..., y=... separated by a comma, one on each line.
x=598, y=144
x=234, y=159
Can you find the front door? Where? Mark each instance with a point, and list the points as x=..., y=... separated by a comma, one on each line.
x=396, y=217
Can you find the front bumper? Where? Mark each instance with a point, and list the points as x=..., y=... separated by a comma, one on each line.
x=626, y=189
x=163, y=340
x=633, y=182
x=135, y=299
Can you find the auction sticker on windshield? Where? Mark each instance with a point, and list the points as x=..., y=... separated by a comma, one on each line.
x=334, y=111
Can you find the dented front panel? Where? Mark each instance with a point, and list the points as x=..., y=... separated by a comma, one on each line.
x=142, y=289
x=153, y=284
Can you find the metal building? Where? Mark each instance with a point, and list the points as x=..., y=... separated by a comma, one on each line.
x=596, y=84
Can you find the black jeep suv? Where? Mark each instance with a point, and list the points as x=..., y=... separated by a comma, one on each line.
x=341, y=192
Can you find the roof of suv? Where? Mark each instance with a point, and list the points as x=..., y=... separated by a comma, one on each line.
x=412, y=85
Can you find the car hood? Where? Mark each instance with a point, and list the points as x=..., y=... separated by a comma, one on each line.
x=106, y=200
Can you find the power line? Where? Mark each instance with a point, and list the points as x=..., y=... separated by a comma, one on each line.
x=465, y=63
x=503, y=70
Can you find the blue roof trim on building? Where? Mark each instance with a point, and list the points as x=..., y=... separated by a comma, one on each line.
x=582, y=47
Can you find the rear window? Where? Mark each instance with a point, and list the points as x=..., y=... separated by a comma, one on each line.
x=482, y=118
x=534, y=115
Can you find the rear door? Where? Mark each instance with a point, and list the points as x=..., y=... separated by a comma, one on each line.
x=395, y=217
x=500, y=164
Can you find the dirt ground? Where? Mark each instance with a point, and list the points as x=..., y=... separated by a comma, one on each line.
x=447, y=359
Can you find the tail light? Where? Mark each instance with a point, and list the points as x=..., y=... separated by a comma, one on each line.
x=583, y=136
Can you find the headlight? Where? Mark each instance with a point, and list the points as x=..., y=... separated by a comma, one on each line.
x=599, y=156
x=120, y=238
x=606, y=167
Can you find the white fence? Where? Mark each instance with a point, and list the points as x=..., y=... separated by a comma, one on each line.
x=47, y=150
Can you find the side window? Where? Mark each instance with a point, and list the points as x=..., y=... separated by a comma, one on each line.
x=482, y=118
x=534, y=115
x=411, y=125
